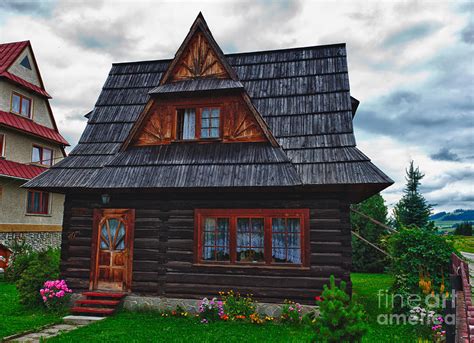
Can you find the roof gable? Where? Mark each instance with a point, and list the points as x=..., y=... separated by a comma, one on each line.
x=199, y=56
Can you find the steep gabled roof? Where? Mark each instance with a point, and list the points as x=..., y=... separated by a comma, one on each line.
x=9, y=52
x=302, y=94
x=199, y=26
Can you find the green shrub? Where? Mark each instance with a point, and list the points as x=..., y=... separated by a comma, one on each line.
x=420, y=260
x=236, y=305
x=19, y=259
x=41, y=266
x=340, y=319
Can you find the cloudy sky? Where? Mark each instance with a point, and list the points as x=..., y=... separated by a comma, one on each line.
x=410, y=64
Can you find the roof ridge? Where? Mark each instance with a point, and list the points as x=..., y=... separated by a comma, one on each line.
x=244, y=53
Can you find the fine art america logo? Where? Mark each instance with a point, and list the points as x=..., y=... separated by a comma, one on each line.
x=431, y=310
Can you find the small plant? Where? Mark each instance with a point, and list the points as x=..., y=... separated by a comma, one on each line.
x=340, y=319
x=291, y=312
x=55, y=294
x=210, y=310
x=42, y=266
x=255, y=319
x=236, y=305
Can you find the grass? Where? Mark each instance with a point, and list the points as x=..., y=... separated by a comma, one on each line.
x=463, y=243
x=365, y=289
x=150, y=326
x=14, y=318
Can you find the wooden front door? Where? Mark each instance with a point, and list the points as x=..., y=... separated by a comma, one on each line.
x=112, y=249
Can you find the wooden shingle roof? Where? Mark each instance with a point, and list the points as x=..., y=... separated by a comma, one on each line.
x=303, y=94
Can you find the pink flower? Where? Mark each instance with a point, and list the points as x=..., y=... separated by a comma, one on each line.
x=44, y=298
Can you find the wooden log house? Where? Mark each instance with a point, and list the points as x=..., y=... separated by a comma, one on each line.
x=210, y=171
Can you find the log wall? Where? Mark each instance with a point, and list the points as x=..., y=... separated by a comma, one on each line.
x=164, y=249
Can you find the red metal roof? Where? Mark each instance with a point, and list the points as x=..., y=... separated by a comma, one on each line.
x=26, y=84
x=8, y=54
x=29, y=126
x=19, y=170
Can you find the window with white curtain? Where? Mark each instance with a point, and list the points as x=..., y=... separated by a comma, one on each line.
x=253, y=236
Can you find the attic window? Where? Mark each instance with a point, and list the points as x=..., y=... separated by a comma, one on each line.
x=25, y=62
x=198, y=123
x=21, y=105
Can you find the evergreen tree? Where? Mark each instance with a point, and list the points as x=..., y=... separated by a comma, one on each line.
x=463, y=229
x=365, y=258
x=412, y=210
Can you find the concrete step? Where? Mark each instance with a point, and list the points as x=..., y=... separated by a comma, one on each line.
x=81, y=320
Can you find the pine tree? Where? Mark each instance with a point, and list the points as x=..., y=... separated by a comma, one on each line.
x=412, y=210
x=365, y=258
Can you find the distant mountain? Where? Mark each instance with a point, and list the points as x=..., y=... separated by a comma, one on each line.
x=450, y=219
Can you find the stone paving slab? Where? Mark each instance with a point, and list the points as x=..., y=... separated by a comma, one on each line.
x=46, y=333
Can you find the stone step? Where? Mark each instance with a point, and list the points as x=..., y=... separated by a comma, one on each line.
x=81, y=320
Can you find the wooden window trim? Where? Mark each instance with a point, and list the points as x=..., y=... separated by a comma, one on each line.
x=41, y=161
x=30, y=110
x=3, y=139
x=198, y=108
x=267, y=214
x=43, y=211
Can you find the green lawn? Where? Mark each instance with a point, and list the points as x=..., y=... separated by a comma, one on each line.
x=15, y=318
x=463, y=243
x=150, y=326
x=365, y=289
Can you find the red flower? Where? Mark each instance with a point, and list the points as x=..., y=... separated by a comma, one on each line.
x=318, y=298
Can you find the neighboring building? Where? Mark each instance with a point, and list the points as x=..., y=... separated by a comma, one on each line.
x=210, y=172
x=29, y=144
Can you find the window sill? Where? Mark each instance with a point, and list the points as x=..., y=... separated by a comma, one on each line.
x=251, y=266
x=201, y=140
x=38, y=214
x=22, y=116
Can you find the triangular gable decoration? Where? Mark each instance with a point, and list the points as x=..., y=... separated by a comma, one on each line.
x=199, y=56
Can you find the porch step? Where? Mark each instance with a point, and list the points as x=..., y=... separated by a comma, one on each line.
x=94, y=310
x=97, y=302
x=104, y=295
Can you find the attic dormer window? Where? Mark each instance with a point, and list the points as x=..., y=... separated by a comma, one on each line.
x=25, y=62
x=198, y=123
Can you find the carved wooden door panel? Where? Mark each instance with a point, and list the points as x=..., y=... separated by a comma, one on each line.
x=112, y=251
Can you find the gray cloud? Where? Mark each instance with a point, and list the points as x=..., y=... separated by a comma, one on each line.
x=41, y=8
x=467, y=34
x=445, y=154
x=409, y=34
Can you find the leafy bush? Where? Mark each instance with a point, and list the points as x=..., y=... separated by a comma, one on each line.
x=19, y=259
x=420, y=262
x=237, y=306
x=340, y=319
x=41, y=266
x=55, y=295
x=210, y=310
x=291, y=312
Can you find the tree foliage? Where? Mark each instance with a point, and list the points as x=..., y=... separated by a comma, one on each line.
x=412, y=210
x=463, y=229
x=365, y=258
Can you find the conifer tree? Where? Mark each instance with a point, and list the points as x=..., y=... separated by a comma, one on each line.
x=412, y=210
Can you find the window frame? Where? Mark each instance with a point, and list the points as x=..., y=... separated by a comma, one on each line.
x=267, y=215
x=3, y=139
x=21, y=96
x=198, y=109
x=42, y=148
x=42, y=211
